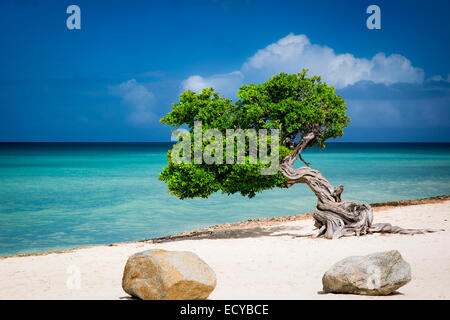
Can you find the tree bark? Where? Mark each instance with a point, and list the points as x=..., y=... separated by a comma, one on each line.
x=333, y=217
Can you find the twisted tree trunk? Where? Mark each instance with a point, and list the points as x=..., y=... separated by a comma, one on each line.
x=333, y=217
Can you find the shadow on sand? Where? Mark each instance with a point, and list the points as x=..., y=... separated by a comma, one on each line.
x=255, y=232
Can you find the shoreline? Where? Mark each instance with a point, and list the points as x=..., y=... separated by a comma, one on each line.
x=219, y=231
x=270, y=262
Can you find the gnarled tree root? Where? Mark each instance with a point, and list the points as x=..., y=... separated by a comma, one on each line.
x=355, y=219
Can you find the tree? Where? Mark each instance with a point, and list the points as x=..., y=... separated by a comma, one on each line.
x=307, y=112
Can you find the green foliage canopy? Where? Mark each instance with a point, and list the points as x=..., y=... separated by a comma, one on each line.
x=293, y=103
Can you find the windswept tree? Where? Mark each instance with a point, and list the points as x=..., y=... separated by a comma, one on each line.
x=306, y=111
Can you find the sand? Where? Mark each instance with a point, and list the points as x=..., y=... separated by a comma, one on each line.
x=268, y=262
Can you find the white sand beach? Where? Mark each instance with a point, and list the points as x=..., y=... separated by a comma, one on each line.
x=262, y=263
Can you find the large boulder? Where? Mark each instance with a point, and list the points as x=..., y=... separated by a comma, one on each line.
x=375, y=274
x=168, y=275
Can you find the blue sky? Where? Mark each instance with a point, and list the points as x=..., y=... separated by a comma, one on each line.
x=113, y=79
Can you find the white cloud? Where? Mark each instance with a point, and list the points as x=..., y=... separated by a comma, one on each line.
x=226, y=82
x=294, y=52
x=438, y=77
x=139, y=99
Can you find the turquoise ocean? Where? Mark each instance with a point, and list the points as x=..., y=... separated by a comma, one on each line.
x=64, y=195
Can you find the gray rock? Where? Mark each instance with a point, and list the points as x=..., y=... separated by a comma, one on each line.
x=168, y=275
x=375, y=274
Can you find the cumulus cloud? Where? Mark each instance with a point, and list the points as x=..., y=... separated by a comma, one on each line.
x=384, y=91
x=139, y=99
x=226, y=82
x=294, y=52
x=438, y=77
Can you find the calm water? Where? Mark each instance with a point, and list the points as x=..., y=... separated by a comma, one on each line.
x=55, y=196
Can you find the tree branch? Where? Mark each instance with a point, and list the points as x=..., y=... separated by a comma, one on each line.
x=298, y=148
x=307, y=163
